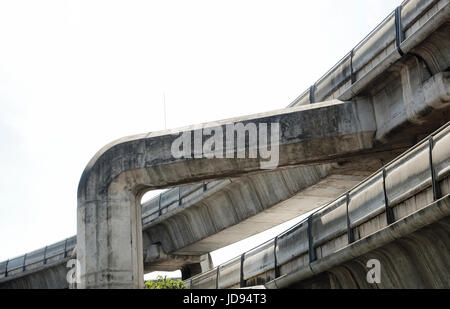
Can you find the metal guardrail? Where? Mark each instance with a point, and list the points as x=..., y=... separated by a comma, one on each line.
x=154, y=208
x=350, y=69
x=388, y=35
x=47, y=255
x=391, y=31
x=378, y=193
x=174, y=198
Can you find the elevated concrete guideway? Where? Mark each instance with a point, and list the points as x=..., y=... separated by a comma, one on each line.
x=309, y=135
x=398, y=85
x=322, y=133
x=109, y=237
x=399, y=217
x=403, y=97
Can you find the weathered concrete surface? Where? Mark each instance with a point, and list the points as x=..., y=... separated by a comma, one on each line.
x=200, y=227
x=414, y=262
x=321, y=133
x=229, y=215
x=409, y=93
x=156, y=259
x=410, y=99
x=410, y=193
x=398, y=86
x=117, y=177
x=377, y=69
x=109, y=234
x=50, y=276
x=42, y=268
x=234, y=209
x=425, y=37
x=190, y=270
x=417, y=238
x=419, y=259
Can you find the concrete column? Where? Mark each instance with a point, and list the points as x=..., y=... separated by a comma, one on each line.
x=191, y=270
x=110, y=241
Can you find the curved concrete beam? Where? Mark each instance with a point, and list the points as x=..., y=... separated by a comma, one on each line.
x=109, y=233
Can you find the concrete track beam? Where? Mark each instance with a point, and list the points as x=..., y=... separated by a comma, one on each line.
x=109, y=233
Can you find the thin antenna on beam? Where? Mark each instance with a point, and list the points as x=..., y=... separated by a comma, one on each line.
x=164, y=102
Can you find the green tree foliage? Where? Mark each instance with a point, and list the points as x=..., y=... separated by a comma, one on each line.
x=164, y=283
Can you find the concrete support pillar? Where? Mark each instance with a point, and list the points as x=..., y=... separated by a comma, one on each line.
x=110, y=241
x=191, y=270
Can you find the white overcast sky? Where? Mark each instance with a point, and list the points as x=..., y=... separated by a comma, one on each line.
x=75, y=75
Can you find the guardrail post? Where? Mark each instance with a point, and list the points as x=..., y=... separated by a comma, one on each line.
x=204, y=186
x=312, y=92
x=434, y=183
x=65, y=248
x=6, y=268
x=352, y=73
x=24, y=259
x=45, y=255
x=179, y=196
x=277, y=269
x=217, y=277
x=311, y=250
x=242, y=281
x=399, y=34
x=389, y=213
x=351, y=236
x=159, y=205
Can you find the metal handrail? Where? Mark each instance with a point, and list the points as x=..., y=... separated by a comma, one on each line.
x=178, y=201
x=399, y=38
x=390, y=218
x=312, y=257
x=43, y=260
